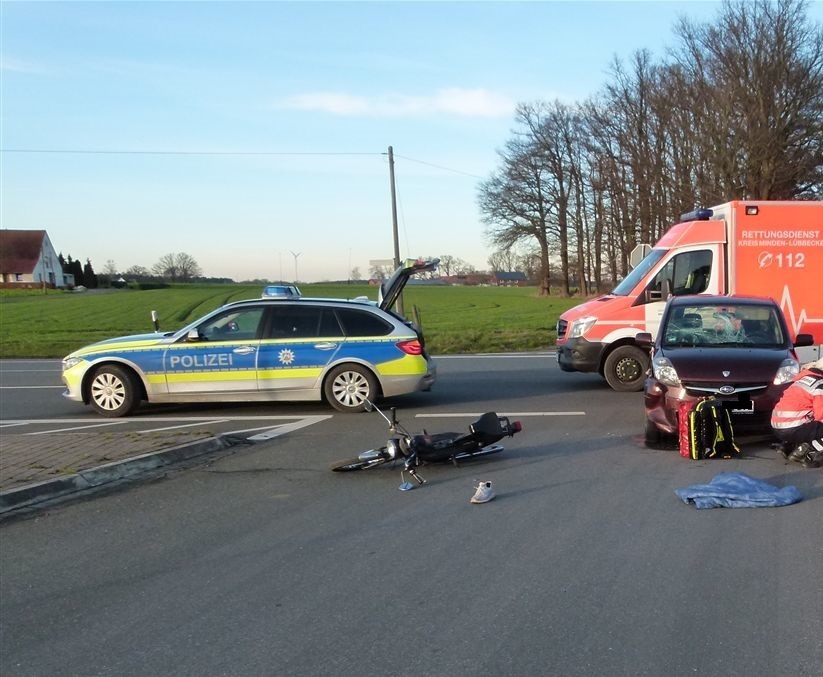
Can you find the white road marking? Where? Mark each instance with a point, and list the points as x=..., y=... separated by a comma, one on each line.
x=185, y=425
x=28, y=387
x=81, y=427
x=521, y=413
x=287, y=428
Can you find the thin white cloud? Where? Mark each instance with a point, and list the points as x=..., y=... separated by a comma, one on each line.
x=451, y=101
x=9, y=65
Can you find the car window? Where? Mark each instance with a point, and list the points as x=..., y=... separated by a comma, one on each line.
x=362, y=323
x=240, y=324
x=751, y=325
x=299, y=321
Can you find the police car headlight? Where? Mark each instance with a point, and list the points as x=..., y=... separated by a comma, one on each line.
x=787, y=370
x=665, y=372
x=70, y=362
x=581, y=326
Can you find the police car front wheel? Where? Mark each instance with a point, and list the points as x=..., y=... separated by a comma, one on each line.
x=348, y=387
x=113, y=391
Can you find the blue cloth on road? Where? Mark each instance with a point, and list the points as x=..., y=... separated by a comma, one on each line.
x=736, y=490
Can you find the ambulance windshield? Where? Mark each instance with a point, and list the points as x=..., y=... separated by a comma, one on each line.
x=631, y=280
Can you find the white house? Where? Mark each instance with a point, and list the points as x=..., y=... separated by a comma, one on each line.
x=27, y=257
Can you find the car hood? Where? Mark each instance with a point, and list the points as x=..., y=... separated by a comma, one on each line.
x=726, y=364
x=393, y=286
x=132, y=340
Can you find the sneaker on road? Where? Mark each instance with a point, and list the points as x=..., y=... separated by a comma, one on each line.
x=484, y=493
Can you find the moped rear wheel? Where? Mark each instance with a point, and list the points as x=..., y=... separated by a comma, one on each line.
x=485, y=451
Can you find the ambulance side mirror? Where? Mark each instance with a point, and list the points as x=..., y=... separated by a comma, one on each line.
x=803, y=340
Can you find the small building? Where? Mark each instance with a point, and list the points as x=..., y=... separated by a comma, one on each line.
x=28, y=259
x=509, y=279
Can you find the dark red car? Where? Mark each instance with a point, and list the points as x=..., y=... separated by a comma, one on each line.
x=737, y=348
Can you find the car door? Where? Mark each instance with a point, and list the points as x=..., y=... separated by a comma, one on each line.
x=299, y=340
x=218, y=356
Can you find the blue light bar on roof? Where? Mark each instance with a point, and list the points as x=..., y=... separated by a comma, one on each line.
x=697, y=215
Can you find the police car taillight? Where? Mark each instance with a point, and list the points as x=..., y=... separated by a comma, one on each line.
x=410, y=347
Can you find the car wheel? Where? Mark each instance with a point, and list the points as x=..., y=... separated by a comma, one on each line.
x=652, y=434
x=625, y=368
x=348, y=387
x=113, y=391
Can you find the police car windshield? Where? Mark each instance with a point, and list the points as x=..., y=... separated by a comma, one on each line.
x=633, y=278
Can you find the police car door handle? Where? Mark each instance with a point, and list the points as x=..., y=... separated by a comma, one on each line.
x=244, y=350
x=327, y=345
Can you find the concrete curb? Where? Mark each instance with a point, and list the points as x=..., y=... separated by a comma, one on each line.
x=100, y=476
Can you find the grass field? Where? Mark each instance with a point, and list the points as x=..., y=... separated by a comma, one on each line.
x=455, y=319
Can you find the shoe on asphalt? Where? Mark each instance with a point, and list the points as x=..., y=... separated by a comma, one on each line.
x=813, y=458
x=799, y=452
x=484, y=493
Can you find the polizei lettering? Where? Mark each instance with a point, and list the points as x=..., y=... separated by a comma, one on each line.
x=199, y=361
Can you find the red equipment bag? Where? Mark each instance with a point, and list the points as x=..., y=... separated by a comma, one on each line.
x=683, y=433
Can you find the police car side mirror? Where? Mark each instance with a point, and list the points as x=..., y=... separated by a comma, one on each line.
x=193, y=335
x=644, y=339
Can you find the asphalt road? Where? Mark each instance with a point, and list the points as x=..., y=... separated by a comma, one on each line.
x=266, y=563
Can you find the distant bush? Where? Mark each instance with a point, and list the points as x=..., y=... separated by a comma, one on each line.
x=144, y=286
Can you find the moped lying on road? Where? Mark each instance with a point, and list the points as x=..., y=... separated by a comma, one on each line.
x=414, y=450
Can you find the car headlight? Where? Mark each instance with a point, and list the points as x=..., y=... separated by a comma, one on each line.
x=70, y=362
x=581, y=326
x=787, y=370
x=665, y=372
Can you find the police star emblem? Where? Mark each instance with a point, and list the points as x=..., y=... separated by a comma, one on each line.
x=286, y=356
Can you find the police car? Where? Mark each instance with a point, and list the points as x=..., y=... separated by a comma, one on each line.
x=342, y=351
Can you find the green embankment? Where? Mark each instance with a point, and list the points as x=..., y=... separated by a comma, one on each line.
x=454, y=319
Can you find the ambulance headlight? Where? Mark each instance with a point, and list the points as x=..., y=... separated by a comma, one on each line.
x=581, y=326
x=665, y=372
x=787, y=370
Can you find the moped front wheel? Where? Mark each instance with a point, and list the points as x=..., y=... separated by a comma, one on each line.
x=368, y=459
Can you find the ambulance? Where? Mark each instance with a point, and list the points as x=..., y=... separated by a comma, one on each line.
x=757, y=248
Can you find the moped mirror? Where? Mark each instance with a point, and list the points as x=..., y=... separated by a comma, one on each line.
x=368, y=405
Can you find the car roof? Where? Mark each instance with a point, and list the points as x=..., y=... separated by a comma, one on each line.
x=302, y=300
x=719, y=300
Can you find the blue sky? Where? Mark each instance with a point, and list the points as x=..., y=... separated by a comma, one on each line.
x=245, y=133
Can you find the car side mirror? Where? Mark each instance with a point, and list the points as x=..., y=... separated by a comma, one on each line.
x=802, y=340
x=193, y=335
x=644, y=339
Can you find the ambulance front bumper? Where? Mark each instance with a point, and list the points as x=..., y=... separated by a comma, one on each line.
x=578, y=354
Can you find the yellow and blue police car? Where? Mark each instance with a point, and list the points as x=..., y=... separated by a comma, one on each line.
x=286, y=349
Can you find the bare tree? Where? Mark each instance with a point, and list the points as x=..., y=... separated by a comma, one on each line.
x=176, y=267
x=759, y=70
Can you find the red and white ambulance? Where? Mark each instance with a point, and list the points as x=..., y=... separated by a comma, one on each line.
x=756, y=248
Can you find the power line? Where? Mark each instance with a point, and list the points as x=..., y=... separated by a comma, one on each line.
x=170, y=152
x=226, y=153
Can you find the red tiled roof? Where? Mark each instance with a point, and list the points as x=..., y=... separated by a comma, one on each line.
x=20, y=250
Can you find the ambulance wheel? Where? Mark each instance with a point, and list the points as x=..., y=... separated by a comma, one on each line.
x=113, y=391
x=349, y=387
x=625, y=368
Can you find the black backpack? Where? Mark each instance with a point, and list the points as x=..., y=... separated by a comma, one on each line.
x=710, y=431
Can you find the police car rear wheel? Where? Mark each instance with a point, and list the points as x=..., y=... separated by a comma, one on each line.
x=347, y=387
x=113, y=391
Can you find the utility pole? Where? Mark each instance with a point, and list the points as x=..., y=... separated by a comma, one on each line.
x=394, y=224
x=394, y=209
